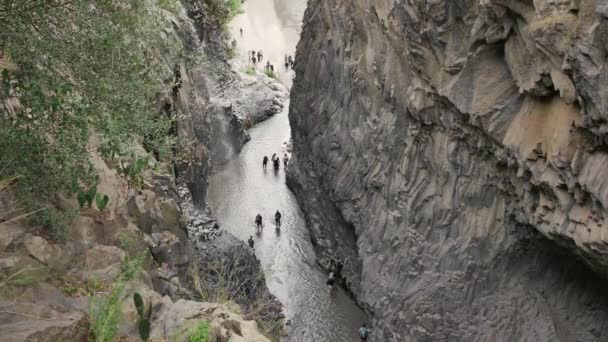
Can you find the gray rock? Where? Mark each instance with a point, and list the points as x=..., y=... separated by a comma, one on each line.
x=425, y=129
x=32, y=322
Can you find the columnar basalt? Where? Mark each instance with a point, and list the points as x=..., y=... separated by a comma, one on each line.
x=463, y=145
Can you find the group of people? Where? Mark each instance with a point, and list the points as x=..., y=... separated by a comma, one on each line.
x=289, y=62
x=276, y=161
x=259, y=224
x=256, y=57
x=335, y=273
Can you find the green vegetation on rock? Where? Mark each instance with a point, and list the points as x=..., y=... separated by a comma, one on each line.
x=202, y=333
x=73, y=67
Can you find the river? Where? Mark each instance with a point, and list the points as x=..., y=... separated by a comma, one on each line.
x=241, y=189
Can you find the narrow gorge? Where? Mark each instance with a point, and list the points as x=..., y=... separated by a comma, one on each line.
x=442, y=161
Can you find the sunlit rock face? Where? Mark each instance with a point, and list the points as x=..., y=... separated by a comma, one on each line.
x=455, y=152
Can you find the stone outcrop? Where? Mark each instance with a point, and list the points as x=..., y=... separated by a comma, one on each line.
x=54, y=289
x=454, y=152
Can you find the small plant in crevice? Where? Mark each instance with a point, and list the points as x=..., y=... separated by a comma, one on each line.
x=86, y=198
x=101, y=201
x=250, y=70
x=144, y=312
x=270, y=74
x=202, y=333
x=134, y=172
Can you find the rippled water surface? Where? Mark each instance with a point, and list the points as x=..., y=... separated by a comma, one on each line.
x=241, y=189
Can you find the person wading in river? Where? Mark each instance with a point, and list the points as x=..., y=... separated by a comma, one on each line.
x=251, y=242
x=364, y=332
x=265, y=162
x=260, y=56
x=258, y=222
x=331, y=281
x=285, y=159
x=277, y=219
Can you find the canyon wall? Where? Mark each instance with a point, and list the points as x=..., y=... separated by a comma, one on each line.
x=453, y=152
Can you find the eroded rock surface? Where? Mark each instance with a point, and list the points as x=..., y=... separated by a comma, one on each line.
x=459, y=149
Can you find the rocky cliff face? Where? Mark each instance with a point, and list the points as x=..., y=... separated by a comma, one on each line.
x=459, y=149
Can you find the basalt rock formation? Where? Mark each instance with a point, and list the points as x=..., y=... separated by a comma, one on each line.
x=454, y=152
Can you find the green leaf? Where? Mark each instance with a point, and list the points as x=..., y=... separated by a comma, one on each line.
x=82, y=200
x=90, y=196
x=101, y=202
x=139, y=304
x=144, y=329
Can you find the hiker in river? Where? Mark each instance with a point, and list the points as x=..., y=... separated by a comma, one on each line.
x=285, y=159
x=241, y=29
x=253, y=60
x=260, y=55
x=277, y=163
x=258, y=222
x=268, y=66
x=364, y=332
x=271, y=68
x=277, y=219
x=265, y=162
x=251, y=242
x=286, y=66
x=339, y=267
x=331, y=280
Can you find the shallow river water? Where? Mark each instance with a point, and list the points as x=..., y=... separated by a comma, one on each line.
x=241, y=189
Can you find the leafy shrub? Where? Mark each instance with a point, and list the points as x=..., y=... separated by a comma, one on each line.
x=72, y=67
x=134, y=172
x=202, y=333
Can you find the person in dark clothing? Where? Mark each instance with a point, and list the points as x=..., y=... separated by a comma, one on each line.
x=258, y=222
x=277, y=219
x=277, y=163
x=339, y=267
x=253, y=60
x=241, y=31
x=267, y=67
x=251, y=242
x=265, y=162
x=260, y=56
x=271, y=68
